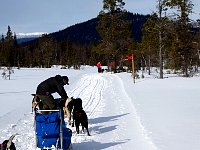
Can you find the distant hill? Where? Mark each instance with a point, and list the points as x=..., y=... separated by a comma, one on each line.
x=83, y=32
x=86, y=32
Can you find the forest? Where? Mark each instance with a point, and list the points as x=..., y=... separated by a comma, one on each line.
x=115, y=36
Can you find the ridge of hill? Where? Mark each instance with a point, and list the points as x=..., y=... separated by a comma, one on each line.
x=86, y=32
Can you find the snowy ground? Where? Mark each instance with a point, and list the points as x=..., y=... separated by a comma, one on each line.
x=152, y=114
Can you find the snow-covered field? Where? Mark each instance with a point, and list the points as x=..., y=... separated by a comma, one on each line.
x=152, y=114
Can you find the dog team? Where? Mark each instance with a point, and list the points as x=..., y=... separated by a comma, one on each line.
x=71, y=107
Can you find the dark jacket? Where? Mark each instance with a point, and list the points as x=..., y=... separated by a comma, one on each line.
x=52, y=85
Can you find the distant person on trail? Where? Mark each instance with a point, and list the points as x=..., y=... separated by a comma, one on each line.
x=99, y=67
x=112, y=66
x=52, y=85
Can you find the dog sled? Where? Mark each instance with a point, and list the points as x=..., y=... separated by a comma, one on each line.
x=51, y=131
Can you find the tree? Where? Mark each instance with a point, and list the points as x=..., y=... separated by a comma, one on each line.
x=161, y=7
x=2, y=43
x=67, y=55
x=16, y=52
x=9, y=35
x=46, y=48
x=159, y=27
x=7, y=52
x=182, y=28
x=149, y=44
x=196, y=52
x=114, y=30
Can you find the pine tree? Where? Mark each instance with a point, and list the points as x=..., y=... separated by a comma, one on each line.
x=16, y=52
x=46, y=49
x=1, y=49
x=150, y=45
x=182, y=28
x=7, y=52
x=9, y=35
x=114, y=30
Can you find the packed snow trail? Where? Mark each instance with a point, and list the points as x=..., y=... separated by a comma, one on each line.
x=106, y=104
x=113, y=121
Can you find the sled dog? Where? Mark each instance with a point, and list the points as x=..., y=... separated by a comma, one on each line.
x=70, y=104
x=8, y=144
x=68, y=109
x=80, y=117
x=34, y=101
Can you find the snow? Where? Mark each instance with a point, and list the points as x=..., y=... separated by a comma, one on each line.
x=150, y=114
x=30, y=35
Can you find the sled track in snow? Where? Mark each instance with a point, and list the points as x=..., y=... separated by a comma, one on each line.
x=91, y=99
x=95, y=97
x=90, y=92
x=80, y=89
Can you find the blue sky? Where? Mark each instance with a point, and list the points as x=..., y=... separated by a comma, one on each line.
x=25, y=16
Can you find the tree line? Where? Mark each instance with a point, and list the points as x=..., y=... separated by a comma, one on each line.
x=43, y=52
x=168, y=41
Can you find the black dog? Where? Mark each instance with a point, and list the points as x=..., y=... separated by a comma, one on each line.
x=75, y=103
x=79, y=116
x=8, y=144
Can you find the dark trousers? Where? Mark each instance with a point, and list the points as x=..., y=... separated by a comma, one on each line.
x=48, y=102
x=99, y=70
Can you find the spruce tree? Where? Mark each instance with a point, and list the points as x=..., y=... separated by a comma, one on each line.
x=114, y=30
x=182, y=28
x=7, y=52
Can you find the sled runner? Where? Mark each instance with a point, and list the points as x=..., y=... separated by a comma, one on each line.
x=51, y=131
